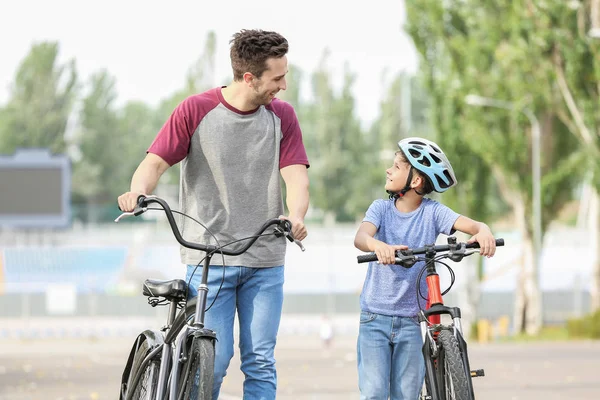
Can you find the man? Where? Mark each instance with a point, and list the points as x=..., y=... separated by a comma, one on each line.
x=234, y=143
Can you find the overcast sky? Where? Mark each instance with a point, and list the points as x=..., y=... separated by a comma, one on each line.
x=149, y=46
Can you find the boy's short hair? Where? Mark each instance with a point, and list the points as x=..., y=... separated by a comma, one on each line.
x=250, y=50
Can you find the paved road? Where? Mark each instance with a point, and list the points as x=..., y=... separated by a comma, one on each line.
x=84, y=369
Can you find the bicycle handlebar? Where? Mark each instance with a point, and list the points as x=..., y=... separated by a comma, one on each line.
x=283, y=228
x=408, y=255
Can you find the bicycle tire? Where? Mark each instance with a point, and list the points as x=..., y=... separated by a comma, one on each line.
x=199, y=374
x=451, y=373
x=429, y=379
x=148, y=382
x=426, y=395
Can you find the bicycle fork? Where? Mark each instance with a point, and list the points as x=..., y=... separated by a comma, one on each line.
x=430, y=347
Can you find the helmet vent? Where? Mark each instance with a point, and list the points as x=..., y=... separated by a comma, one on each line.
x=448, y=179
x=414, y=153
x=436, y=158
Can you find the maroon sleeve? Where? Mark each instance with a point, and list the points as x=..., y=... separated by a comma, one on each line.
x=292, y=149
x=172, y=142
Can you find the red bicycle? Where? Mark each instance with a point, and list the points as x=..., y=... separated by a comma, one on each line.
x=448, y=375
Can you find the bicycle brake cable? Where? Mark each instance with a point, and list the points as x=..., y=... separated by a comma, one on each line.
x=197, y=265
x=217, y=250
x=437, y=259
x=223, y=278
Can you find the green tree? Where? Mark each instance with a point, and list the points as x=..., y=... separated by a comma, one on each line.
x=98, y=169
x=40, y=101
x=468, y=48
x=336, y=143
x=575, y=59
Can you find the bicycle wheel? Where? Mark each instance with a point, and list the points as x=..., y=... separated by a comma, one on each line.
x=199, y=373
x=145, y=389
x=451, y=373
x=429, y=379
x=426, y=390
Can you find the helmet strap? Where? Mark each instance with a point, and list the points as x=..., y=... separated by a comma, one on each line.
x=406, y=187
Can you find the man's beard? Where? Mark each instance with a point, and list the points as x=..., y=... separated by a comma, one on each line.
x=262, y=99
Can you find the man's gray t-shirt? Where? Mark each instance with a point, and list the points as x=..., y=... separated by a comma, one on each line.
x=230, y=179
x=391, y=289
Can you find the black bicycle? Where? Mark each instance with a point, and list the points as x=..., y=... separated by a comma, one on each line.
x=447, y=370
x=177, y=361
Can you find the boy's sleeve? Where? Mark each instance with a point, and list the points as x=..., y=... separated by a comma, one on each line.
x=445, y=218
x=374, y=214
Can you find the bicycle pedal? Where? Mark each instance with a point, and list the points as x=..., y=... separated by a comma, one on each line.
x=477, y=372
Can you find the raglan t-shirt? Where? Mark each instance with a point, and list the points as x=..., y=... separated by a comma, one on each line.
x=230, y=179
x=391, y=289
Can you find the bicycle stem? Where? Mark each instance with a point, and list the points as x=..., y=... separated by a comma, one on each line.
x=202, y=294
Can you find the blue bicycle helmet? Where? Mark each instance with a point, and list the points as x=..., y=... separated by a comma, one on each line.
x=428, y=158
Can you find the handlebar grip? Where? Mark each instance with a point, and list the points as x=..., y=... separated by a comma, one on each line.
x=141, y=203
x=366, y=258
x=475, y=245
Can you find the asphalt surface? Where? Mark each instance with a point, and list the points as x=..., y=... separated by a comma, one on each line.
x=87, y=369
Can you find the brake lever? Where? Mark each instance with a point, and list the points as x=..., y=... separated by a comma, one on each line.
x=140, y=208
x=279, y=232
x=136, y=211
x=404, y=259
x=298, y=243
x=458, y=252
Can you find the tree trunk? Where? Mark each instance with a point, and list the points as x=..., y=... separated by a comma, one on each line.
x=527, y=312
x=594, y=228
x=527, y=315
x=595, y=14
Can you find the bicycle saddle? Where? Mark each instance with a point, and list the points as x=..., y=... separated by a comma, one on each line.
x=174, y=289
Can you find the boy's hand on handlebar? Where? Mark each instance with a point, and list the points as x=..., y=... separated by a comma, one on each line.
x=127, y=201
x=298, y=228
x=386, y=254
x=486, y=240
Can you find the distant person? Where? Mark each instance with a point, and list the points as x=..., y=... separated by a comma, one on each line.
x=235, y=143
x=326, y=331
x=390, y=362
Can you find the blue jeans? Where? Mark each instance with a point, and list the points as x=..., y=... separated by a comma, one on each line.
x=390, y=360
x=257, y=295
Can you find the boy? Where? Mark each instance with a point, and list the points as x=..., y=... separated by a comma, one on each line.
x=390, y=363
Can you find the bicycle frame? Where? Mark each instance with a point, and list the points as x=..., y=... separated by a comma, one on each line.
x=173, y=346
x=430, y=322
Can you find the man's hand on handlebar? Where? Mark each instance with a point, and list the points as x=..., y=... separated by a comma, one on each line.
x=128, y=201
x=298, y=228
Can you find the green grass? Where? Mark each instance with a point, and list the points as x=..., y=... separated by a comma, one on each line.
x=547, y=334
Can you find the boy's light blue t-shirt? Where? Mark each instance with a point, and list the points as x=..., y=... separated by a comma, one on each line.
x=391, y=289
